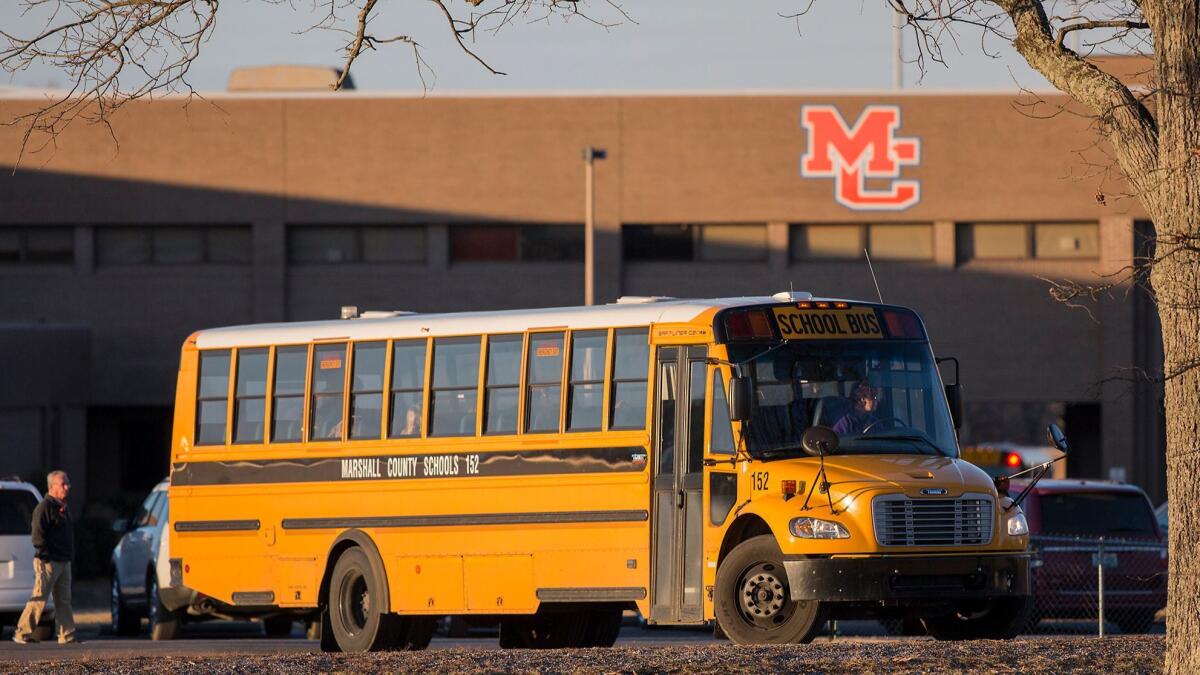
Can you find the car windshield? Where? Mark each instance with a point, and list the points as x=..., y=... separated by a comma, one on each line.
x=880, y=397
x=16, y=512
x=1107, y=514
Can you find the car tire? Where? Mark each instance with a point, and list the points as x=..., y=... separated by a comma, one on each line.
x=278, y=626
x=996, y=619
x=123, y=622
x=164, y=623
x=753, y=599
x=356, y=623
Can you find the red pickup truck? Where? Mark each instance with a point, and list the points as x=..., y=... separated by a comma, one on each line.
x=1077, y=526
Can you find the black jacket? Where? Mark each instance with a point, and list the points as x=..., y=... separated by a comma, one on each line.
x=53, y=531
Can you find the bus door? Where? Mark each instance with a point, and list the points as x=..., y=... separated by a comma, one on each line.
x=677, y=555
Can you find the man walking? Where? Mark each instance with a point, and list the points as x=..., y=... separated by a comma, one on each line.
x=54, y=543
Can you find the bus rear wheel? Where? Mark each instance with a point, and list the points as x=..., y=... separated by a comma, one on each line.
x=356, y=623
x=753, y=599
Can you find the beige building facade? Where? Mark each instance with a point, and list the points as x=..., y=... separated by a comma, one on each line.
x=250, y=208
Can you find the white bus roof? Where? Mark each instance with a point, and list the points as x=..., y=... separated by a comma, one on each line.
x=625, y=312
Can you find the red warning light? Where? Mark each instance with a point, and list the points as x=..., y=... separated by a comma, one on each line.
x=1012, y=460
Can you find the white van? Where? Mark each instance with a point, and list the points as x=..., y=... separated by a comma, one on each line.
x=18, y=499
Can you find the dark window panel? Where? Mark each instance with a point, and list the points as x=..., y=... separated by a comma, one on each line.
x=658, y=242
x=123, y=246
x=394, y=244
x=230, y=245
x=320, y=244
x=483, y=243
x=543, y=243
x=178, y=245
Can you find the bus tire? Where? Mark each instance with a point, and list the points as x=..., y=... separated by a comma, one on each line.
x=604, y=625
x=356, y=620
x=996, y=619
x=753, y=599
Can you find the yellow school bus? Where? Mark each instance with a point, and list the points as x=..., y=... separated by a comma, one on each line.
x=769, y=463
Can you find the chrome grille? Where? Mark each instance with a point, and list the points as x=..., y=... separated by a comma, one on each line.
x=965, y=521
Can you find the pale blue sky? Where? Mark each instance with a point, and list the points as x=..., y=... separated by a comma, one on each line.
x=675, y=45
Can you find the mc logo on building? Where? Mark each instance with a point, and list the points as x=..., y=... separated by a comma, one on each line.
x=851, y=155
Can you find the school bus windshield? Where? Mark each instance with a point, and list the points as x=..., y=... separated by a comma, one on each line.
x=880, y=397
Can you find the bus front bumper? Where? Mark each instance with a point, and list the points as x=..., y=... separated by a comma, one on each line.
x=908, y=577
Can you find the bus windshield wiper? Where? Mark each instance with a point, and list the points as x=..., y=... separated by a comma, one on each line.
x=905, y=437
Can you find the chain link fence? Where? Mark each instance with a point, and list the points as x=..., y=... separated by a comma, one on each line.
x=1096, y=585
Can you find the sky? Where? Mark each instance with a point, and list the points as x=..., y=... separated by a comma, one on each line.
x=666, y=45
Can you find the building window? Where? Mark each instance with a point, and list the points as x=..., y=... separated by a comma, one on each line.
x=250, y=396
x=827, y=242
x=173, y=245
x=212, y=398
x=1066, y=240
x=820, y=242
x=710, y=241
x=993, y=241
x=516, y=243
x=502, y=389
x=328, y=385
x=585, y=396
x=408, y=388
x=631, y=362
x=1021, y=241
x=455, y=392
x=733, y=242
x=900, y=242
x=544, y=376
x=366, y=390
x=337, y=244
x=37, y=245
x=287, y=403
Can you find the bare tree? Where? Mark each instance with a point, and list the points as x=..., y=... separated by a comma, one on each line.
x=1154, y=134
x=117, y=51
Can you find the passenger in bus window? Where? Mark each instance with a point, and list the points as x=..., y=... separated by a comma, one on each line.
x=412, y=422
x=865, y=401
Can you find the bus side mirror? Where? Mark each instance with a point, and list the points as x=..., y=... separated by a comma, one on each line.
x=1058, y=438
x=739, y=398
x=954, y=398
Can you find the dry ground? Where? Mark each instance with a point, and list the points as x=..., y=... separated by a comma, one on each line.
x=1119, y=654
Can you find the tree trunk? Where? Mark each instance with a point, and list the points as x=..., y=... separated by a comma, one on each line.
x=1175, y=207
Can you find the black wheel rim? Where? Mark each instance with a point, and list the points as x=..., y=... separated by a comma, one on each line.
x=354, y=607
x=763, y=599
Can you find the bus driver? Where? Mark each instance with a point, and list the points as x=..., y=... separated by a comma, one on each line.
x=861, y=415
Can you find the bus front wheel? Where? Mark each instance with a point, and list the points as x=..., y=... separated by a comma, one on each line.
x=355, y=620
x=753, y=600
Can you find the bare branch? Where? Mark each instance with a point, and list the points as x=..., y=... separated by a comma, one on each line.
x=1088, y=25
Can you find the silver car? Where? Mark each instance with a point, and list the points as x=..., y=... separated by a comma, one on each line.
x=139, y=568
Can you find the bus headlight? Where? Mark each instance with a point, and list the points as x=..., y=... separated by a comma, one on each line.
x=813, y=528
x=1017, y=525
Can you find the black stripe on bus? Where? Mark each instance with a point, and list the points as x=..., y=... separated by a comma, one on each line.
x=216, y=525
x=542, y=517
x=403, y=467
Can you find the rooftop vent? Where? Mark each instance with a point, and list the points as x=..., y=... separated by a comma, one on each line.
x=792, y=296
x=351, y=312
x=642, y=299
x=286, y=78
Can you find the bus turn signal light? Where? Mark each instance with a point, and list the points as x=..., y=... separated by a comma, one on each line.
x=789, y=489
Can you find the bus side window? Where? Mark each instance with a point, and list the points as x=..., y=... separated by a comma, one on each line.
x=455, y=395
x=287, y=404
x=586, y=394
x=721, y=433
x=408, y=388
x=250, y=397
x=366, y=390
x=631, y=359
x=503, y=384
x=544, y=375
x=328, y=383
x=212, y=397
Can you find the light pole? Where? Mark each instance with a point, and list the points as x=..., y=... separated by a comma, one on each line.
x=590, y=155
x=897, y=50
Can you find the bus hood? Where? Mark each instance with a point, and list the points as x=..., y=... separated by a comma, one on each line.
x=915, y=475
